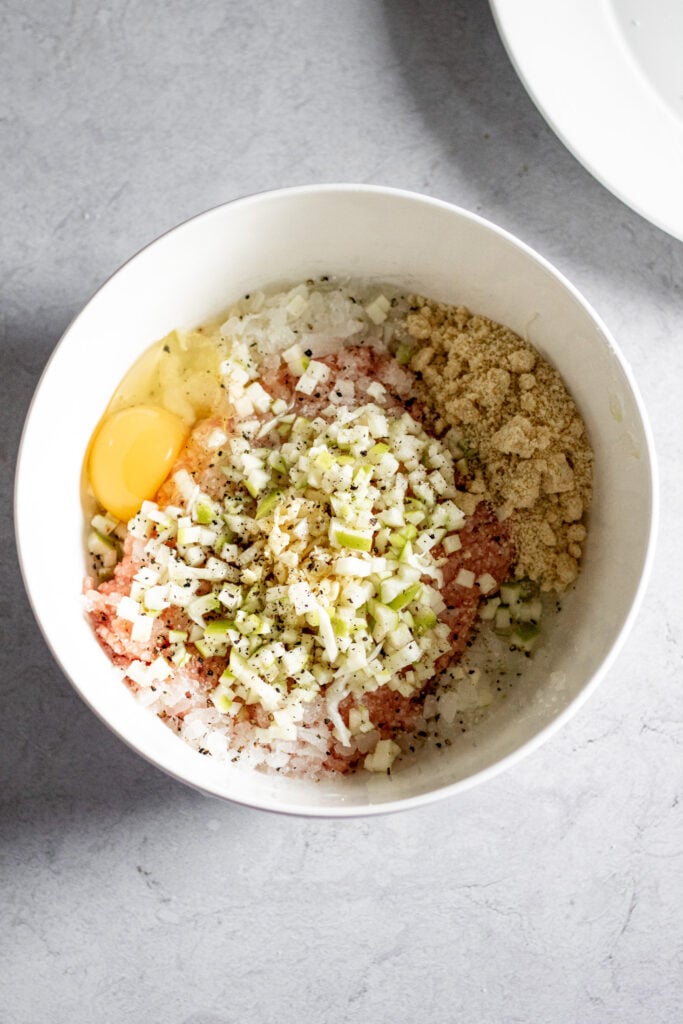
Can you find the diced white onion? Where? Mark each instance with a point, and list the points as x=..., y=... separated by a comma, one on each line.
x=452, y=544
x=128, y=609
x=383, y=756
x=142, y=629
x=352, y=566
x=465, y=578
x=486, y=583
x=313, y=376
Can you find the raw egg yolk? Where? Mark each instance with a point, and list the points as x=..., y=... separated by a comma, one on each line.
x=131, y=456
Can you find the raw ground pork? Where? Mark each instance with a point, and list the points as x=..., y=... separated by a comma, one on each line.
x=181, y=700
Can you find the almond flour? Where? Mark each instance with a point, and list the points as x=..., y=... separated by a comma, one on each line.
x=525, y=444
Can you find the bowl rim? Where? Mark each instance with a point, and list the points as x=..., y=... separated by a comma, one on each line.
x=538, y=739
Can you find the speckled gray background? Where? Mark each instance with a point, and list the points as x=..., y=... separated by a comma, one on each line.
x=553, y=893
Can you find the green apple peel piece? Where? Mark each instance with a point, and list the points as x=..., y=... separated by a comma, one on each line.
x=343, y=536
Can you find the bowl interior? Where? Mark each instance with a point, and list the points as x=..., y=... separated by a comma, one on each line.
x=422, y=245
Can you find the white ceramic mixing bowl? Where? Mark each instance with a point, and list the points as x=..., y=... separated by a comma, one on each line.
x=423, y=245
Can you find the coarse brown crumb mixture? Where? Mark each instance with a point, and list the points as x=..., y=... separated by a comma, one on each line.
x=526, y=444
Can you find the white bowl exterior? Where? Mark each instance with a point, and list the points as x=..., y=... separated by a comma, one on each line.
x=423, y=245
x=606, y=76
